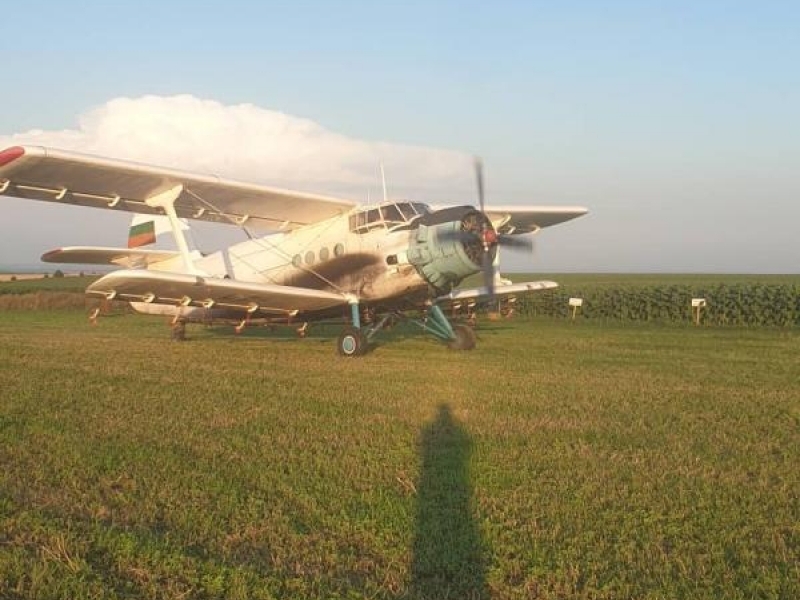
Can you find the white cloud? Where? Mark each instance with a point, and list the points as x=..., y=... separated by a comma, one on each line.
x=249, y=143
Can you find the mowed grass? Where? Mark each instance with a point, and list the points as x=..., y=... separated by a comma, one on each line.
x=557, y=460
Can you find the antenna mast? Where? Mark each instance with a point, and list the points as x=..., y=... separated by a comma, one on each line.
x=383, y=180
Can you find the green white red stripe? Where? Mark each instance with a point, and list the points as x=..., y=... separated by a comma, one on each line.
x=142, y=234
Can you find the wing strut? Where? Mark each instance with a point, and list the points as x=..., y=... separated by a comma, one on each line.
x=166, y=201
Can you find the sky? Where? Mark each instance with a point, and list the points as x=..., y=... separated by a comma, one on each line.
x=676, y=123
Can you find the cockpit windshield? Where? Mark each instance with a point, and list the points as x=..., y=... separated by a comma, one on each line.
x=386, y=216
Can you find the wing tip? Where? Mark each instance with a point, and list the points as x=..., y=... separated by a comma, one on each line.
x=11, y=154
x=50, y=255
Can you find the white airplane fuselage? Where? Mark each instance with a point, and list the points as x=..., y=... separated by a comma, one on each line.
x=360, y=253
x=329, y=256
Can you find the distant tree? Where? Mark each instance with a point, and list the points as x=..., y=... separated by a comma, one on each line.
x=46, y=275
x=13, y=278
x=58, y=273
x=81, y=274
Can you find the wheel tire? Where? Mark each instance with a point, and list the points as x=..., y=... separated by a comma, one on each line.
x=351, y=342
x=464, y=340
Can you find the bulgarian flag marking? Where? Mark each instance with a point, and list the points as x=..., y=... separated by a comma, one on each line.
x=142, y=234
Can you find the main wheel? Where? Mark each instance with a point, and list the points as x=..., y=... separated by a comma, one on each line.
x=464, y=340
x=351, y=342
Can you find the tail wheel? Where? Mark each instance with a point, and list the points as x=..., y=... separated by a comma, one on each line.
x=464, y=340
x=351, y=342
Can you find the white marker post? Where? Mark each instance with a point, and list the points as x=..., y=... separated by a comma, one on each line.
x=575, y=303
x=698, y=304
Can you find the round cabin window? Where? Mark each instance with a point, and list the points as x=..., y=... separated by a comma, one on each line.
x=324, y=254
x=310, y=257
x=297, y=260
x=338, y=250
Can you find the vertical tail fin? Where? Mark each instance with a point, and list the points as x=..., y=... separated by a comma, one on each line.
x=142, y=233
x=156, y=230
x=148, y=229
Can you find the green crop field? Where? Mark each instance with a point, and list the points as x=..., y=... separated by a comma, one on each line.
x=739, y=300
x=557, y=460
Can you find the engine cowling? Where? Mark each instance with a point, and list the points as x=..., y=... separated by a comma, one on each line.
x=446, y=246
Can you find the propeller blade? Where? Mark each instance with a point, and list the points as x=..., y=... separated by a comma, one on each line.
x=488, y=274
x=479, y=181
x=508, y=241
x=459, y=236
x=515, y=241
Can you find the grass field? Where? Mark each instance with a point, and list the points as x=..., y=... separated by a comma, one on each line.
x=557, y=460
x=72, y=284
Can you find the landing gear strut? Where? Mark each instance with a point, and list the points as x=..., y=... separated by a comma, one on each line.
x=352, y=341
x=355, y=340
x=457, y=337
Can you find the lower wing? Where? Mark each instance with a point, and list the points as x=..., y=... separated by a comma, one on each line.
x=209, y=292
x=500, y=292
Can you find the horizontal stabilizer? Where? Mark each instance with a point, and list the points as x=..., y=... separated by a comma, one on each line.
x=192, y=290
x=97, y=255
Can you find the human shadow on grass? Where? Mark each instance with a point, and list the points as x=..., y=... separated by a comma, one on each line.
x=448, y=560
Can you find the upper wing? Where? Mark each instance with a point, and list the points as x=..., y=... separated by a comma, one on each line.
x=193, y=290
x=528, y=219
x=72, y=178
x=96, y=255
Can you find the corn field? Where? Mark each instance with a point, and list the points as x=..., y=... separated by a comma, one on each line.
x=742, y=304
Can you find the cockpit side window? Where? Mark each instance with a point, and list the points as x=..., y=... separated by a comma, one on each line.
x=392, y=215
x=366, y=220
x=407, y=210
x=389, y=215
x=421, y=208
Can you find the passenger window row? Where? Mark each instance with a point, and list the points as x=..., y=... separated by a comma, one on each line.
x=321, y=256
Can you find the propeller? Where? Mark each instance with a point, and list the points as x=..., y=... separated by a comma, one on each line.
x=486, y=237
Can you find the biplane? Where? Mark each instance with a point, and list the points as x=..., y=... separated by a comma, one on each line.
x=307, y=258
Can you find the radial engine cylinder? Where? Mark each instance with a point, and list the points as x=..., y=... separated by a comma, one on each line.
x=447, y=246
